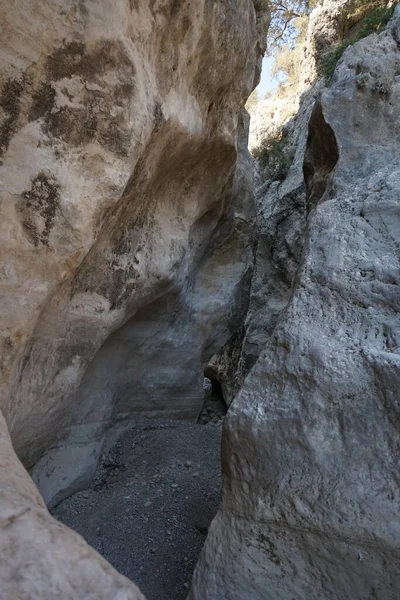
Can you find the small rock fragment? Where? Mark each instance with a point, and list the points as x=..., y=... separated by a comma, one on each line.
x=202, y=525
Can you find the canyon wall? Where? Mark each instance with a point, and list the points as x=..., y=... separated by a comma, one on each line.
x=310, y=443
x=131, y=255
x=127, y=228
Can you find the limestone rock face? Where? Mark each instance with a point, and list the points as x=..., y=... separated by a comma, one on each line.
x=329, y=23
x=127, y=240
x=310, y=445
x=42, y=559
x=123, y=237
x=268, y=116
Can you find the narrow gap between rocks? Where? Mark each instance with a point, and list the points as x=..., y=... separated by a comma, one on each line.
x=321, y=156
x=154, y=494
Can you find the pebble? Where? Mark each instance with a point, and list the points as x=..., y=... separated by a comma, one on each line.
x=161, y=506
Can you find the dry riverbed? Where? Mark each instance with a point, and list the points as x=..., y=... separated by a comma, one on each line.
x=155, y=492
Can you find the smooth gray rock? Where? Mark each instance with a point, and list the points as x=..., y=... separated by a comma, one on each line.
x=310, y=506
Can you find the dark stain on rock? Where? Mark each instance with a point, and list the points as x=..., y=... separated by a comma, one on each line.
x=158, y=114
x=72, y=125
x=124, y=284
x=75, y=58
x=10, y=102
x=93, y=120
x=270, y=548
x=123, y=92
x=116, y=283
x=42, y=200
x=176, y=6
x=185, y=26
x=121, y=243
x=113, y=137
x=25, y=360
x=42, y=102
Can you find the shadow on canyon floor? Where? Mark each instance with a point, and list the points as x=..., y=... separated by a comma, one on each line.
x=155, y=491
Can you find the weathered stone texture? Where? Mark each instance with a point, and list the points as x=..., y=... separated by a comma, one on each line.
x=119, y=140
x=125, y=241
x=311, y=499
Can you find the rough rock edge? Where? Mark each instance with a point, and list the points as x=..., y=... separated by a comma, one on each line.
x=41, y=558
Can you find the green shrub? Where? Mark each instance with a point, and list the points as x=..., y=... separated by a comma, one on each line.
x=274, y=157
x=333, y=58
x=374, y=22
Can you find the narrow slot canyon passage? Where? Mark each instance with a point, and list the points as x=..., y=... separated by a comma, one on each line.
x=200, y=209
x=155, y=491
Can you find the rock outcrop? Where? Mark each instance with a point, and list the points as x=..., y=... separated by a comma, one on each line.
x=127, y=238
x=42, y=559
x=310, y=444
x=281, y=193
x=125, y=242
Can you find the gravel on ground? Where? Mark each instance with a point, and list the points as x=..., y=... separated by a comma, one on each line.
x=154, y=494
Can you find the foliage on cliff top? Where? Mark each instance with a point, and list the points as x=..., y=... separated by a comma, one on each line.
x=287, y=58
x=285, y=15
x=377, y=16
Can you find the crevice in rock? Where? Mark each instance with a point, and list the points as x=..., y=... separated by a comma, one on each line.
x=321, y=156
x=214, y=407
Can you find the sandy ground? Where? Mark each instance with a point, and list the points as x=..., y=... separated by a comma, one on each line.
x=155, y=492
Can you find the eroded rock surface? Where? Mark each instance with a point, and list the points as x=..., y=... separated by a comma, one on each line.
x=310, y=444
x=42, y=559
x=124, y=236
x=125, y=240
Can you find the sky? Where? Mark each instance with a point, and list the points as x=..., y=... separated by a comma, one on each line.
x=268, y=83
